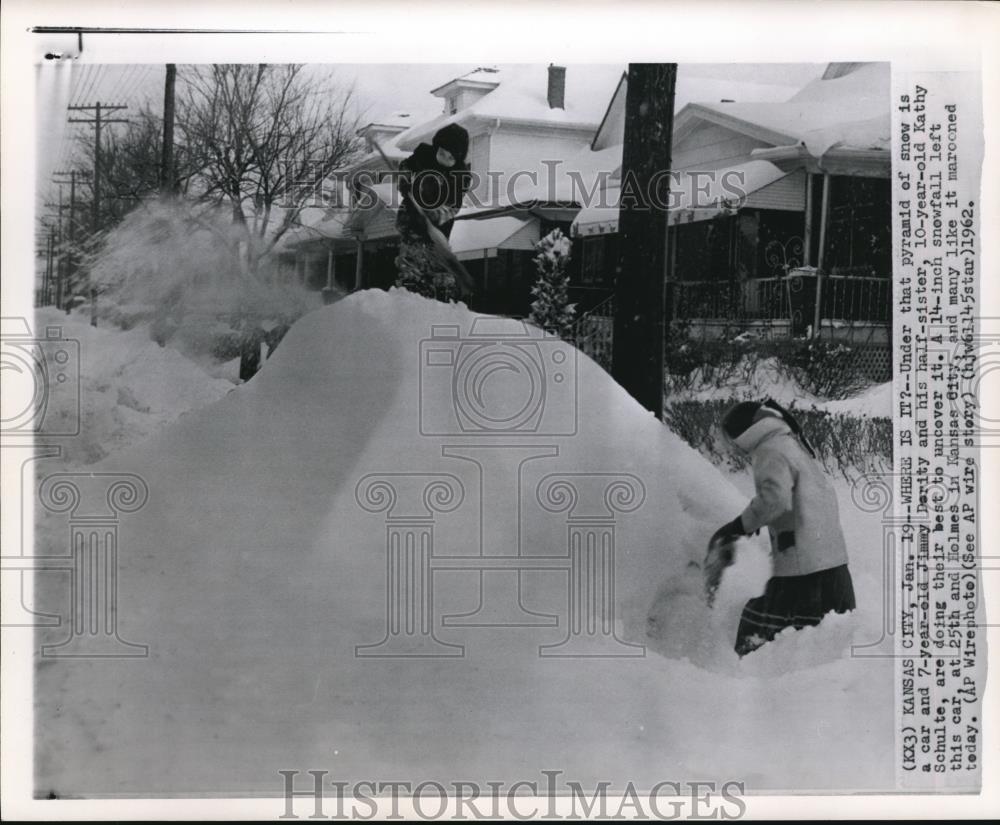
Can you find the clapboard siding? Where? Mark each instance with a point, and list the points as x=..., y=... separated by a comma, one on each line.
x=713, y=147
x=479, y=163
x=525, y=238
x=788, y=193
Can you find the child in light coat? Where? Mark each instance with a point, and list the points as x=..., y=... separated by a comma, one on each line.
x=797, y=504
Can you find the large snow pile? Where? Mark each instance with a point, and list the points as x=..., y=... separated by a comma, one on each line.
x=253, y=572
x=129, y=388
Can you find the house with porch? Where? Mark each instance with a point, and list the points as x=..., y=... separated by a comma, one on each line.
x=780, y=214
x=781, y=223
x=520, y=120
x=532, y=130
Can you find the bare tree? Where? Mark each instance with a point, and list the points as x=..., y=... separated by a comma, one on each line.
x=261, y=137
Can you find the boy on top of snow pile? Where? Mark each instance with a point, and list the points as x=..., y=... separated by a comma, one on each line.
x=798, y=505
x=435, y=177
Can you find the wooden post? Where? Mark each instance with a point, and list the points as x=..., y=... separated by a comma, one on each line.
x=359, y=264
x=167, y=175
x=637, y=357
x=808, y=231
x=47, y=278
x=329, y=291
x=824, y=219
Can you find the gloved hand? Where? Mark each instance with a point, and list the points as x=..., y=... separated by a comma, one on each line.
x=721, y=552
x=730, y=531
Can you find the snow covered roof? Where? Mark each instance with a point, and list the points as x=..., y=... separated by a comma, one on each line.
x=690, y=88
x=851, y=111
x=317, y=224
x=484, y=77
x=572, y=180
x=521, y=95
x=471, y=238
x=694, y=196
x=394, y=120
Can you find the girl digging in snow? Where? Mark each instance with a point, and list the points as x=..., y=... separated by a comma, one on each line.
x=436, y=178
x=796, y=503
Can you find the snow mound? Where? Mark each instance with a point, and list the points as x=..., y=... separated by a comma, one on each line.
x=258, y=567
x=129, y=388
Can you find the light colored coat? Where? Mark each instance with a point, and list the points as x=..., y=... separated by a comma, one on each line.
x=793, y=494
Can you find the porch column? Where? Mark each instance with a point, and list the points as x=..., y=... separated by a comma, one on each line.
x=359, y=263
x=824, y=219
x=329, y=292
x=808, y=232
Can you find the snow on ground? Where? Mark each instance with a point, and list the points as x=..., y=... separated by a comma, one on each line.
x=252, y=573
x=768, y=380
x=129, y=387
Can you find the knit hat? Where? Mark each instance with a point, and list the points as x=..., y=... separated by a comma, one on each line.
x=739, y=418
x=454, y=139
x=742, y=416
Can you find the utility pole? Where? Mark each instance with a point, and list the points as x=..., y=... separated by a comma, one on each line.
x=641, y=292
x=58, y=252
x=95, y=206
x=60, y=180
x=47, y=277
x=168, y=177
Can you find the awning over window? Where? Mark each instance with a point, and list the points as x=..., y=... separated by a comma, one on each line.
x=697, y=196
x=471, y=239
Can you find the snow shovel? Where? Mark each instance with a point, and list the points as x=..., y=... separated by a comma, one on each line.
x=721, y=552
x=465, y=282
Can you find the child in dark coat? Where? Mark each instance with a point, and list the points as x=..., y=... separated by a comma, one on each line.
x=436, y=178
x=797, y=504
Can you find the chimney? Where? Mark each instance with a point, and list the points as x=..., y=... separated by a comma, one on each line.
x=557, y=86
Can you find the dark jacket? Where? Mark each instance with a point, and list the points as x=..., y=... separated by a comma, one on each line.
x=431, y=185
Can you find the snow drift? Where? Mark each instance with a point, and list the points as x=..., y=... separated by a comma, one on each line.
x=254, y=573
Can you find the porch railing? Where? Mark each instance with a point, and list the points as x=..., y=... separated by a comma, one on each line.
x=593, y=332
x=802, y=300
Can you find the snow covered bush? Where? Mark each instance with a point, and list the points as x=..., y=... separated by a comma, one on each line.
x=849, y=444
x=824, y=368
x=551, y=309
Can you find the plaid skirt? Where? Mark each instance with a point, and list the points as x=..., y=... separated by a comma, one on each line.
x=794, y=601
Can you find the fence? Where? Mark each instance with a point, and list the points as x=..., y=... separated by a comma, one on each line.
x=855, y=309
x=800, y=301
x=593, y=332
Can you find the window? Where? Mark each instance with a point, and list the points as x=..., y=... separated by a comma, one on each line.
x=703, y=250
x=859, y=235
x=592, y=258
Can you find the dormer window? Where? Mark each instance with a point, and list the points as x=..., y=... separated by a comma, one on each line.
x=451, y=104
